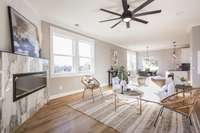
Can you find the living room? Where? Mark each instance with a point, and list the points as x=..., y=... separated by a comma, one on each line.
x=99, y=66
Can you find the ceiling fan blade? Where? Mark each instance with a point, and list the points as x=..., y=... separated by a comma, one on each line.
x=116, y=24
x=142, y=6
x=114, y=13
x=147, y=13
x=125, y=5
x=109, y=20
x=127, y=24
x=140, y=20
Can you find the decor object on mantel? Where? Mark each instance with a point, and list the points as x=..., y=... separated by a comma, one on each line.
x=24, y=35
x=127, y=16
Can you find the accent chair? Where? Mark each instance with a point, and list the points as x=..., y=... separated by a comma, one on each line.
x=90, y=83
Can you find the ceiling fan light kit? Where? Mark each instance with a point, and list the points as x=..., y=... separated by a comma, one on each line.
x=126, y=19
x=127, y=16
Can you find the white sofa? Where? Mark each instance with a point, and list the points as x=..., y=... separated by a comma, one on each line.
x=152, y=92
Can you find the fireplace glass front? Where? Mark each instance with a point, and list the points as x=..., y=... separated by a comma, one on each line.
x=26, y=83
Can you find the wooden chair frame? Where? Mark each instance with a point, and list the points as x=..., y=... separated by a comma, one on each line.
x=90, y=86
x=193, y=98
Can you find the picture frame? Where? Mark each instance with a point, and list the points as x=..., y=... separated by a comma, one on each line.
x=24, y=35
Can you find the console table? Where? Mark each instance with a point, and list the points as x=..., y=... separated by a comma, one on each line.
x=183, y=87
x=111, y=74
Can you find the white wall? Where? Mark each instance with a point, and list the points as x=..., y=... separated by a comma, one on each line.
x=195, y=47
x=25, y=9
x=186, y=55
x=4, y=30
x=103, y=62
x=164, y=58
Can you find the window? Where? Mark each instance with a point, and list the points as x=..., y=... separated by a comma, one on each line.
x=71, y=54
x=62, y=54
x=150, y=64
x=131, y=61
x=85, y=57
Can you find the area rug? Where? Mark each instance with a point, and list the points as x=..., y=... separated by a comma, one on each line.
x=128, y=120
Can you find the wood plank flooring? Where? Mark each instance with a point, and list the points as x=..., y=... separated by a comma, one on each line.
x=57, y=117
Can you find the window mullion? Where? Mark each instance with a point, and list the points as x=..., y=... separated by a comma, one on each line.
x=76, y=60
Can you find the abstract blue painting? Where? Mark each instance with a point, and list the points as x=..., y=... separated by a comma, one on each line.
x=24, y=35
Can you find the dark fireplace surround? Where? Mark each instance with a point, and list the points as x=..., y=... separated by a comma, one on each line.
x=25, y=84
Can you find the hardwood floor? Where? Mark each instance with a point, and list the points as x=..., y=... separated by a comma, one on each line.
x=58, y=117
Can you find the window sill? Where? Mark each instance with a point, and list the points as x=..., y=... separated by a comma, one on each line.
x=70, y=75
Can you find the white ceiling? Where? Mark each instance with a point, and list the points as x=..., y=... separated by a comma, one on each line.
x=173, y=24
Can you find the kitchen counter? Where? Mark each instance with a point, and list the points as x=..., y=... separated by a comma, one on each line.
x=178, y=75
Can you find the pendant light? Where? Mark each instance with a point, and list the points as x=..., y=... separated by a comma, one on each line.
x=174, y=50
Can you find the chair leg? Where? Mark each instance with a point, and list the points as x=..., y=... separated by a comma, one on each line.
x=140, y=101
x=159, y=114
x=190, y=120
x=101, y=91
x=92, y=95
x=115, y=102
x=162, y=111
x=83, y=93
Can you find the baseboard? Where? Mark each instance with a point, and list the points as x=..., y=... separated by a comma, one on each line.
x=70, y=93
x=64, y=94
x=104, y=84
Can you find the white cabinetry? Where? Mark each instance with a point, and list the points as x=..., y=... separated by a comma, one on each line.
x=178, y=75
x=185, y=55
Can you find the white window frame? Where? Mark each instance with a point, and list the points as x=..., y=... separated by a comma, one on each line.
x=92, y=55
x=76, y=39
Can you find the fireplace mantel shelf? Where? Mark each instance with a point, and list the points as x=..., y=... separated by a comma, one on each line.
x=1, y=51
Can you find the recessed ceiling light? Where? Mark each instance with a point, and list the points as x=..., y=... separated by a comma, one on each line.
x=77, y=25
x=180, y=13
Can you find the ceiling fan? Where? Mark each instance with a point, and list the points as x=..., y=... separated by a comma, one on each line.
x=128, y=15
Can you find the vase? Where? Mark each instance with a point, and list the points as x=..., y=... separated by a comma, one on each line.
x=123, y=86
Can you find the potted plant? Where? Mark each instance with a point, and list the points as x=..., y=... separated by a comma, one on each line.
x=122, y=74
x=183, y=80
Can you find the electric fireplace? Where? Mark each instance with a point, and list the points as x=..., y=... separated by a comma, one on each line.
x=26, y=83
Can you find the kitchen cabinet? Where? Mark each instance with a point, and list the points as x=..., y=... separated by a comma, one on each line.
x=186, y=55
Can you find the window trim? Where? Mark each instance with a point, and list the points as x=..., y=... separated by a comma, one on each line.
x=76, y=58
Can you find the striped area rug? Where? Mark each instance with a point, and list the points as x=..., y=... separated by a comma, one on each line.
x=128, y=120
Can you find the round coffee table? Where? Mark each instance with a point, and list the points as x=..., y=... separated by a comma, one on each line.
x=133, y=93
